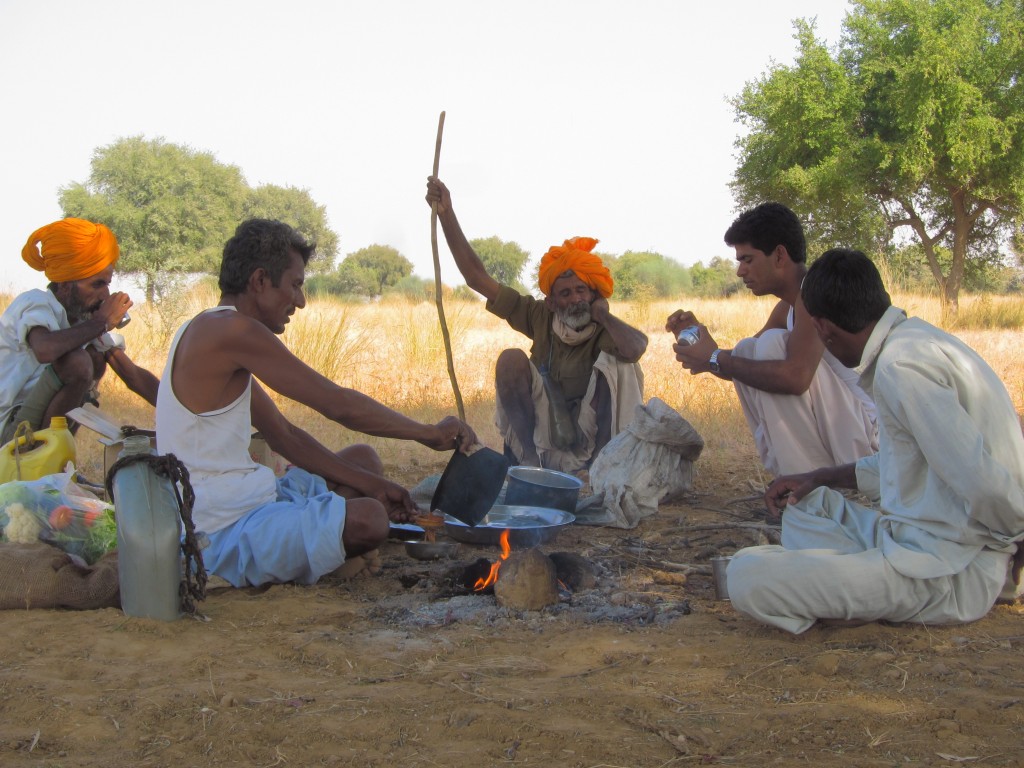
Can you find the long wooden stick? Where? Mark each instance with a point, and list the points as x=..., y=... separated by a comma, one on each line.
x=437, y=281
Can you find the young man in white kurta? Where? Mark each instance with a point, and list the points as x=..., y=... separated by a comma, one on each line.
x=805, y=409
x=947, y=484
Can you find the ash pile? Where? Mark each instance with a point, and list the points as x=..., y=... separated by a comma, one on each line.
x=528, y=585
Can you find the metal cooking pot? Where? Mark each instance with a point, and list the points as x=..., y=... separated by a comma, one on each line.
x=470, y=485
x=527, y=526
x=431, y=550
x=536, y=487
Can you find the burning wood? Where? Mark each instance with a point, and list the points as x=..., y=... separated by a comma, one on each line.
x=524, y=581
x=492, y=577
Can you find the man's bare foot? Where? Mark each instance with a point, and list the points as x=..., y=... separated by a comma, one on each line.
x=366, y=564
x=530, y=460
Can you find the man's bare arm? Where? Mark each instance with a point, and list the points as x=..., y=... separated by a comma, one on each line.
x=252, y=347
x=139, y=380
x=48, y=345
x=301, y=449
x=466, y=259
x=630, y=342
x=790, y=376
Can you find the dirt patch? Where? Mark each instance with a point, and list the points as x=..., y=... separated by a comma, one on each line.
x=644, y=669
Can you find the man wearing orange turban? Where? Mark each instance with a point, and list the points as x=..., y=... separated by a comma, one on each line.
x=55, y=344
x=581, y=383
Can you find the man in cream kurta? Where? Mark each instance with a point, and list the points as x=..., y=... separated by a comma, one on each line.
x=947, y=483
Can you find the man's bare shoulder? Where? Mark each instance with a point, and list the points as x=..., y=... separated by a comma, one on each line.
x=223, y=322
x=222, y=332
x=777, y=318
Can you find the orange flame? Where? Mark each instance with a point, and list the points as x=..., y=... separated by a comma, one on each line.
x=492, y=577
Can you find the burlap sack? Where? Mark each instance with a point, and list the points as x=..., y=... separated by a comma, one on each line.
x=650, y=461
x=42, y=576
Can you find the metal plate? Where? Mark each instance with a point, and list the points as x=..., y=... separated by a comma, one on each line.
x=527, y=526
x=405, y=531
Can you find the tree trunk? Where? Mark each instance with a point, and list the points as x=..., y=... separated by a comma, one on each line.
x=955, y=279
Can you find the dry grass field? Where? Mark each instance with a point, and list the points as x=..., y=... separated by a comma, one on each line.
x=393, y=351
x=646, y=670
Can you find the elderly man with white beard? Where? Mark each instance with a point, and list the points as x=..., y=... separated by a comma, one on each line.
x=581, y=383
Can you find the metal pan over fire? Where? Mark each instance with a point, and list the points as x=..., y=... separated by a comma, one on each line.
x=527, y=526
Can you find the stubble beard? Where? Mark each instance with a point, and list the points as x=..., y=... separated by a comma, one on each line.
x=74, y=307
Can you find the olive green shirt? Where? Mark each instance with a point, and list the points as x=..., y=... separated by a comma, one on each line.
x=570, y=366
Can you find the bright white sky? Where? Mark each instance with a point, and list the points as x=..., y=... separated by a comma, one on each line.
x=606, y=118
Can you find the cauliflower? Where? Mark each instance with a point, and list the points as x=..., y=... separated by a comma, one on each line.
x=23, y=528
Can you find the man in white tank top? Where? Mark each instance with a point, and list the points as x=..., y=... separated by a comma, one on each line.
x=805, y=409
x=328, y=506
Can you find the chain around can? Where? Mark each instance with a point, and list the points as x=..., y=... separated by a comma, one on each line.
x=688, y=336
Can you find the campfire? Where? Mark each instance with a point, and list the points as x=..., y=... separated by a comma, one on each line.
x=515, y=579
x=492, y=576
x=529, y=579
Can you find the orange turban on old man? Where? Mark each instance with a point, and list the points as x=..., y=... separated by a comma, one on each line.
x=575, y=255
x=71, y=249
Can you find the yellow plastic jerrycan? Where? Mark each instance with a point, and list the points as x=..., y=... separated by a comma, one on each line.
x=31, y=455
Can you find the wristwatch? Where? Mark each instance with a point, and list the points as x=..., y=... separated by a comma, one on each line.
x=713, y=362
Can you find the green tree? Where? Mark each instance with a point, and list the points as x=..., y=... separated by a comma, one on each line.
x=416, y=289
x=372, y=269
x=915, y=120
x=503, y=261
x=171, y=207
x=296, y=208
x=718, y=278
x=644, y=274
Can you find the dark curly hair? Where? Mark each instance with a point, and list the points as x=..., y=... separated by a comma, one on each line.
x=844, y=287
x=767, y=226
x=260, y=243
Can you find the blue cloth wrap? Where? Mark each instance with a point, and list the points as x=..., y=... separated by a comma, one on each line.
x=295, y=538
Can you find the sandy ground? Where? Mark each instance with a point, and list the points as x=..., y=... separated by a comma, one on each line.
x=392, y=670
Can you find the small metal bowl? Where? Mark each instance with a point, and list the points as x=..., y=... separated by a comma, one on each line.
x=431, y=550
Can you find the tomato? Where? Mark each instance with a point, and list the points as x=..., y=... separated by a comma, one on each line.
x=61, y=517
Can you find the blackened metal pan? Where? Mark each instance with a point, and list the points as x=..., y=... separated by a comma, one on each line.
x=470, y=484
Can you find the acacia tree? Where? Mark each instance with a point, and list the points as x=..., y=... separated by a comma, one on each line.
x=171, y=207
x=374, y=268
x=504, y=261
x=297, y=208
x=914, y=122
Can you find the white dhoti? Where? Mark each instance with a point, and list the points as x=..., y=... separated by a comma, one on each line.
x=626, y=389
x=826, y=426
x=831, y=565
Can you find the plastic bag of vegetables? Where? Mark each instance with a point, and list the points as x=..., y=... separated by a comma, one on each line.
x=56, y=510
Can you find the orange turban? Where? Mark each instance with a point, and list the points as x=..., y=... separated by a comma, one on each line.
x=575, y=255
x=71, y=249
